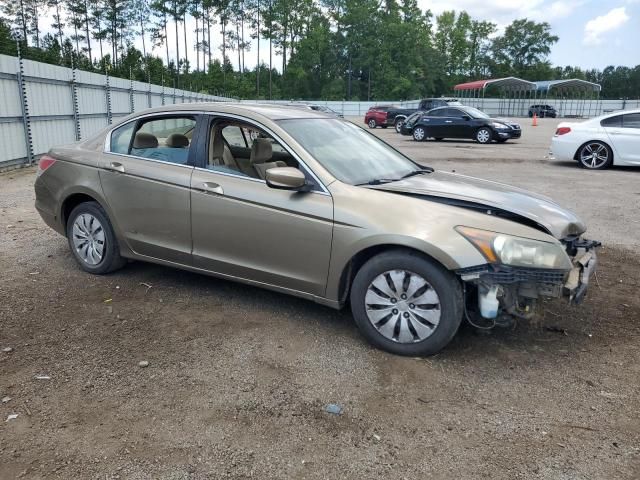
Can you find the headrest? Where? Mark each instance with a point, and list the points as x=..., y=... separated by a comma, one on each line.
x=177, y=140
x=145, y=140
x=217, y=148
x=261, y=150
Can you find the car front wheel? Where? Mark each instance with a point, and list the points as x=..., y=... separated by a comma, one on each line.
x=483, y=135
x=371, y=123
x=92, y=240
x=398, y=125
x=595, y=156
x=419, y=134
x=406, y=304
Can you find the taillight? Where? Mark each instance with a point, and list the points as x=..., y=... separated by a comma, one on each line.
x=562, y=130
x=45, y=162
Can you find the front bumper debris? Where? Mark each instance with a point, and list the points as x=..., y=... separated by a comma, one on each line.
x=584, y=262
x=517, y=289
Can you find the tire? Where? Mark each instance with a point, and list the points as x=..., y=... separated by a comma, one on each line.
x=89, y=221
x=441, y=293
x=398, y=125
x=419, y=134
x=484, y=135
x=530, y=114
x=372, y=123
x=595, y=155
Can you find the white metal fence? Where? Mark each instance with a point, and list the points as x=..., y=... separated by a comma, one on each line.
x=42, y=105
x=492, y=106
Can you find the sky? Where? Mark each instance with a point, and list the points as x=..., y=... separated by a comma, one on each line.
x=593, y=33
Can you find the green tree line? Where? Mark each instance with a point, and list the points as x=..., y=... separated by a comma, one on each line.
x=325, y=49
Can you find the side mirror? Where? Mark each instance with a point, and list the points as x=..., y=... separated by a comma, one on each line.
x=285, y=178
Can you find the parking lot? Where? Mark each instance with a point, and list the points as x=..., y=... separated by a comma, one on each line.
x=238, y=378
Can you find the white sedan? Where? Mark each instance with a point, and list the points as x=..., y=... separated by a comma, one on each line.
x=598, y=143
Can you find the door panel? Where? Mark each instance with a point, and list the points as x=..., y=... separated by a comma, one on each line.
x=150, y=201
x=251, y=231
x=625, y=139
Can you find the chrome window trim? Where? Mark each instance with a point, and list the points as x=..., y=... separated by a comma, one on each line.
x=107, y=138
x=149, y=159
x=107, y=145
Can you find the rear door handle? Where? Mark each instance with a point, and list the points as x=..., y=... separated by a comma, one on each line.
x=115, y=167
x=448, y=121
x=211, y=187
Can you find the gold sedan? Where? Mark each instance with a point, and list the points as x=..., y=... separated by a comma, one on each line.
x=312, y=205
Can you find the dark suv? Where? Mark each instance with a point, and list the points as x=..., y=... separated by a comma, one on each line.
x=543, y=111
x=427, y=104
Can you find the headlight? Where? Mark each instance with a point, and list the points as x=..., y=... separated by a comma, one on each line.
x=499, y=126
x=516, y=251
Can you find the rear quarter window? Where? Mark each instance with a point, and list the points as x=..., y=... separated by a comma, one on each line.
x=612, y=121
x=121, y=138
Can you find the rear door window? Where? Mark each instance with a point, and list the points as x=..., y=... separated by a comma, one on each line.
x=631, y=120
x=167, y=139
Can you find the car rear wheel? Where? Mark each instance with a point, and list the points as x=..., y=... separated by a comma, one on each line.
x=92, y=240
x=419, y=134
x=398, y=125
x=483, y=135
x=406, y=304
x=595, y=156
x=372, y=123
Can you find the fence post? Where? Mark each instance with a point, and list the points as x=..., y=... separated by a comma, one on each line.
x=74, y=100
x=107, y=96
x=131, y=102
x=149, y=90
x=26, y=122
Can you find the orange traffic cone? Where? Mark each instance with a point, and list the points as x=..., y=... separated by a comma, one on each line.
x=535, y=120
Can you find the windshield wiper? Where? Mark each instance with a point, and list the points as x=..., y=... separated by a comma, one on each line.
x=415, y=172
x=378, y=181
x=382, y=181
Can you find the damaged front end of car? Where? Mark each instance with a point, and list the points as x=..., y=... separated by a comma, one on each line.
x=520, y=271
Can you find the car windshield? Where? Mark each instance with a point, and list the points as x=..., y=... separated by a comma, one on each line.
x=348, y=152
x=474, y=112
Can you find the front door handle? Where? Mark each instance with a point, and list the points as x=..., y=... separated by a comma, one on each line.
x=211, y=187
x=448, y=121
x=116, y=167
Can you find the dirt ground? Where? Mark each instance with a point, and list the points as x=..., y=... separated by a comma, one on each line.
x=238, y=378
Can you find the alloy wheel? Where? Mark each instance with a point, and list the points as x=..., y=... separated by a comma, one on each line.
x=483, y=135
x=594, y=155
x=402, y=306
x=399, y=124
x=372, y=123
x=88, y=238
x=419, y=134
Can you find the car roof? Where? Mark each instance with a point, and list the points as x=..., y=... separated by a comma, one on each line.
x=270, y=111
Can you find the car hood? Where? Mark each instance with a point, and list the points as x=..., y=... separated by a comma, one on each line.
x=470, y=192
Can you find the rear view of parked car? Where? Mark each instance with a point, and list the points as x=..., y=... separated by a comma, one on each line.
x=462, y=122
x=598, y=143
x=378, y=116
x=542, y=111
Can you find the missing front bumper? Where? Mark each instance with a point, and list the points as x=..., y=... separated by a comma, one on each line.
x=518, y=289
